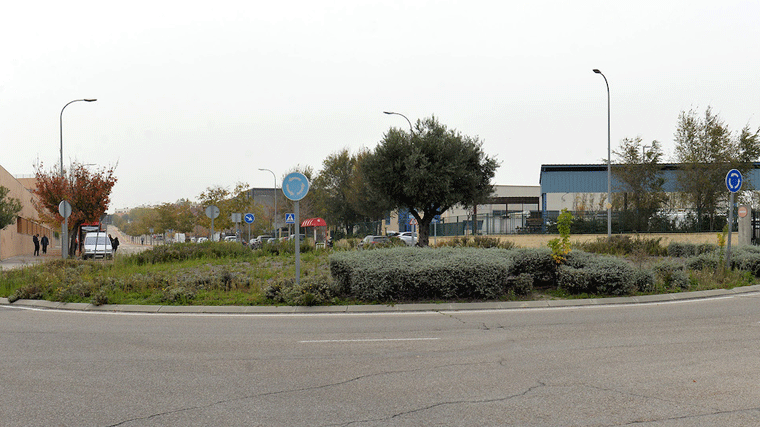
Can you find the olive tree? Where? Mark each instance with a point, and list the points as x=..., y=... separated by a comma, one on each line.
x=429, y=170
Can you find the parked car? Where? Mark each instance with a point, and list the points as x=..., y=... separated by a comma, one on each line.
x=373, y=240
x=409, y=237
x=230, y=239
x=97, y=245
x=258, y=241
x=292, y=237
x=202, y=239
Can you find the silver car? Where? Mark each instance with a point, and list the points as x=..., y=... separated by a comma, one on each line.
x=97, y=244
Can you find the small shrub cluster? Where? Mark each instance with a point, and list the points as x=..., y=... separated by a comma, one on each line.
x=671, y=274
x=477, y=242
x=186, y=251
x=605, y=275
x=685, y=250
x=314, y=289
x=622, y=245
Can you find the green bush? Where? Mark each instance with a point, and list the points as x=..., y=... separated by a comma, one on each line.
x=477, y=242
x=671, y=274
x=624, y=245
x=708, y=261
x=536, y=262
x=747, y=258
x=313, y=289
x=603, y=275
x=685, y=250
x=402, y=274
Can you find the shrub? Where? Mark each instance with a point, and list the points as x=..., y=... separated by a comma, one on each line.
x=536, y=262
x=521, y=284
x=314, y=289
x=747, y=258
x=397, y=274
x=624, y=245
x=477, y=242
x=709, y=261
x=602, y=275
x=671, y=274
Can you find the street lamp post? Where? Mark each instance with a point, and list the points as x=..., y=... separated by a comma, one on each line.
x=274, y=219
x=65, y=228
x=609, y=161
x=411, y=128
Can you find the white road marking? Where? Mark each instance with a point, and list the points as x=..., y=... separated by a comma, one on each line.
x=368, y=340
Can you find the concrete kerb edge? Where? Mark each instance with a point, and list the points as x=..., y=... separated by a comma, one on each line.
x=369, y=308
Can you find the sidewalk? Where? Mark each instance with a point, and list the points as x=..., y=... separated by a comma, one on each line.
x=24, y=260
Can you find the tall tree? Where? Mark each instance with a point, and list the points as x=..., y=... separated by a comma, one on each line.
x=89, y=194
x=640, y=192
x=429, y=171
x=707, y=150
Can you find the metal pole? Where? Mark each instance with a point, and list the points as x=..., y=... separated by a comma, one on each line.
x=274, y=220
x=730, y=229
x=609, y=161
x=297, y=243
x=65, y=228
x=411, y=128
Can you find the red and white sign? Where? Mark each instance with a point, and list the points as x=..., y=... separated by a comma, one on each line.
x=413, y=221
x=743, y=211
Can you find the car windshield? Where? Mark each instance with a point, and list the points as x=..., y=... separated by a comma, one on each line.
x=99, y=240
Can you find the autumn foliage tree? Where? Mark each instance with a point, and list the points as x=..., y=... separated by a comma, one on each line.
x=89, y=194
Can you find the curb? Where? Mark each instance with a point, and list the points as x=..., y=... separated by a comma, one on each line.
x=376, y=308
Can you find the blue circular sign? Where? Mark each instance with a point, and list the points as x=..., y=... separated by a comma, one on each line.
x=295, y=186
x=248, y=218
x=734, y=180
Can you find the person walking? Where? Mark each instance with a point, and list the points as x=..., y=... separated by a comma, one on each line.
x=115, y=244
x=36, y=241
x=44, y=242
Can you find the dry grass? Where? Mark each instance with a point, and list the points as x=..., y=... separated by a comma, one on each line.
x=540, y=240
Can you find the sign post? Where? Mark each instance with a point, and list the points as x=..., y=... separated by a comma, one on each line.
x=212, y=212
x=295, y=186
x=734, y=184
x=249, y=218
x=64, y=208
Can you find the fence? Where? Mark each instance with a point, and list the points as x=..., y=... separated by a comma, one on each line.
x=585, y=222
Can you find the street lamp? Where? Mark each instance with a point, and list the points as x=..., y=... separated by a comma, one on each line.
x=274, y=219
x=609, y=161
x=411, y=128
x=65, y=228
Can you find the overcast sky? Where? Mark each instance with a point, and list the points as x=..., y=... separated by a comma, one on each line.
x=198, y=94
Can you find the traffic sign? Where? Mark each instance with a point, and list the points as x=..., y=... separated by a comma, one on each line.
x=290, y=218
x=295, y=186
x=743, y=211
x=734, y=180
x=236, y=217
x=64, y=208
x=212, y=211
x=413, y=221
x=249, y=218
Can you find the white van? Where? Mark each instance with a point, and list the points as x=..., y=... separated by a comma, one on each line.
x=97, y=245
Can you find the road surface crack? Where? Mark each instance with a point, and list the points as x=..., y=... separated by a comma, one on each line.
x=439, y=404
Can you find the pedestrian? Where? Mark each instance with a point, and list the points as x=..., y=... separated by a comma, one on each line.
x=45, y=242
x=115, y=244
x=36, y=241
x=142, y=240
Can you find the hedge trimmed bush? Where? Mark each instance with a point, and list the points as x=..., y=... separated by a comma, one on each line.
x=602, y=275
x=685, y=250
x=402, y=274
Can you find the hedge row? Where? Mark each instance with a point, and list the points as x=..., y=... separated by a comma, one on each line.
x=403, y=274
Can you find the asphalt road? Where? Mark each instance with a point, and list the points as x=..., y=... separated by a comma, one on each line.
x=688, y=363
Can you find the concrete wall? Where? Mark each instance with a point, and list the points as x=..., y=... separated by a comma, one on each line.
x=16, y=238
